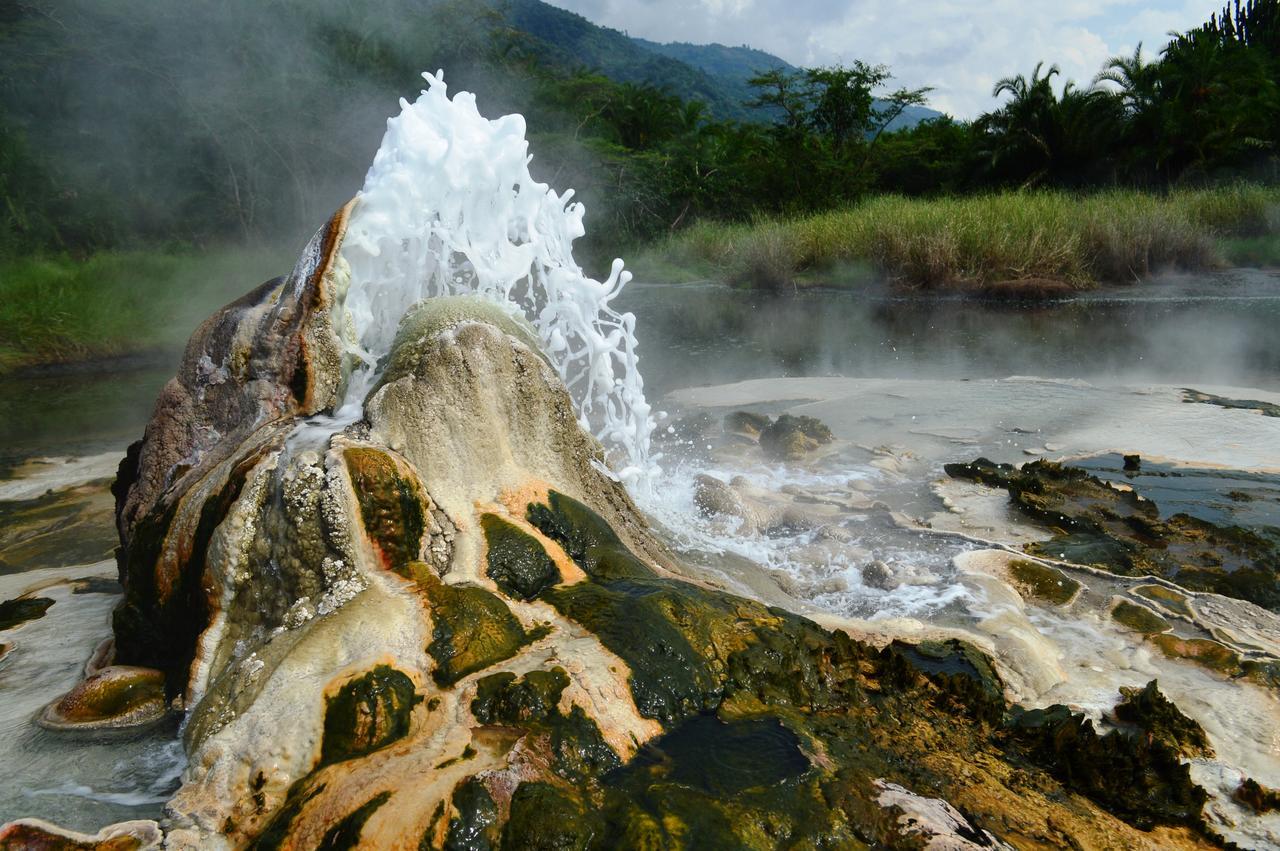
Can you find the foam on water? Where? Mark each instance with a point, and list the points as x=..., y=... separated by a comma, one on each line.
x=828, y=576
x=449, y=208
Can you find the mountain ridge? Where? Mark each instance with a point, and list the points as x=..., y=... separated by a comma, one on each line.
x=714, y=73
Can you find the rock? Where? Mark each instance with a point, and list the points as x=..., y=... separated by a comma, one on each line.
x=879, y=575
x=1096, y=523
x=36, y=835
x=1157, y=717
x=713, y=496
x=17, y=612
x=791, y=438
x=1267, y=409
x=1136, y=775
x=934, y=822
x=113, y=698
x=1133, y=462
x=1257, y=797
x=746, y=424
x=447, y=626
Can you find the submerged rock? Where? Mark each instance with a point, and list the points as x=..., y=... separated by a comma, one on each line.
x=36, y=835
x=791, y=438
x=81, y=513
x=1099, y=524
x=446, y=625
x=17, y=612
x=746, y=424
x=1257, y=797
x=112, y=698
x=1267, y=409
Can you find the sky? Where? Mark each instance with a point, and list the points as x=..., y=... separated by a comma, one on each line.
x=960, y=47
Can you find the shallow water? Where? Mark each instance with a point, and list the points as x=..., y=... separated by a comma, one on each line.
x=1213, y=329
x=1224, y=497
x=90, y=410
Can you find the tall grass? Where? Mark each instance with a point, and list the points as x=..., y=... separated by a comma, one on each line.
x=57, y=309
x=990, y=240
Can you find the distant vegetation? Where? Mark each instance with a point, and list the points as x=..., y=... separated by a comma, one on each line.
x=55, y=309
x=1029, y=243
x=215, y=124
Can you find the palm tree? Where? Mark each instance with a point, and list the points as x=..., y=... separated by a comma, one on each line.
x=644, y=115
x=1137, y=79
x=1218, y=101
x=1038, y=137
x=1019, y=133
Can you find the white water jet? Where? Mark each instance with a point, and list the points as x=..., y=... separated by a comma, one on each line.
x=449, y=208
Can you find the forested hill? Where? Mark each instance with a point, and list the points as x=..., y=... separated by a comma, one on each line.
x=714, y=74
x=732, y=67
x=568, y=40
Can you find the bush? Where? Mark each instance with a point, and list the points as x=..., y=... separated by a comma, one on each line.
x=986, y=241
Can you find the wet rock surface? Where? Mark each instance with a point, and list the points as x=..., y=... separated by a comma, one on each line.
x=1097, y=523
x=112, y=698
x=1267, y=409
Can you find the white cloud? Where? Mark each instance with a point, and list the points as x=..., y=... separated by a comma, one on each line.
x=960, y=47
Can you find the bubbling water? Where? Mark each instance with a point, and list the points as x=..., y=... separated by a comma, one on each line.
x=449, y=208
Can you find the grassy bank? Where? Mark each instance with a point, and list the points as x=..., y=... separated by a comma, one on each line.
x=58, y=309
x=1012, y=240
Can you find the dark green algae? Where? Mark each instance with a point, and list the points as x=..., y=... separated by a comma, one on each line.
x=391, y=507
x=577, y=750
x=1100, y=525
x=749, y=697
x=367, y=713
x=516, y=561
x=1042, y=582
x=702, y=662
x=1139, y=618
x=472, y=628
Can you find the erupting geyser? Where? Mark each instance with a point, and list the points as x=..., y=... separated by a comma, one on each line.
x=449, y=208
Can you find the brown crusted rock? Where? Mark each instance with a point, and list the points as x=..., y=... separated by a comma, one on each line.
x=272, y=353
x=114, y=698
x=746, y=424
x=36, y=835
x=248, y=371
x=791, y=438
